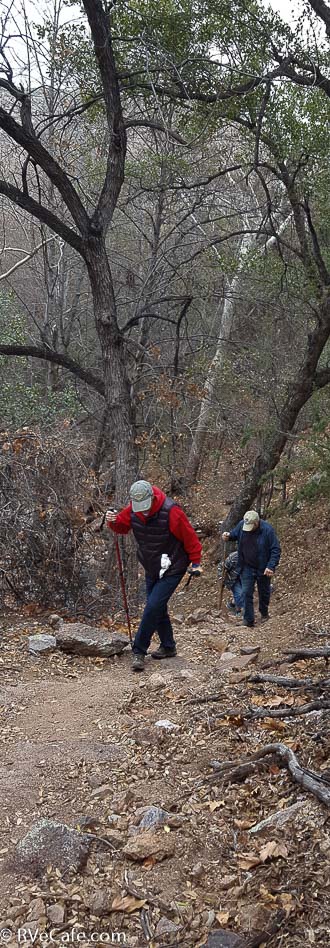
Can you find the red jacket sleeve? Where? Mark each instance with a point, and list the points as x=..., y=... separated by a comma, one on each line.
x=181, y=528
x=122, y=523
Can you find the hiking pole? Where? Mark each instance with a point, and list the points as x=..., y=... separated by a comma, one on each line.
x=123, y=588
x=122, y=579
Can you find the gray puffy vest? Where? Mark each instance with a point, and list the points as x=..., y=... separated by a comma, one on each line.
x=153, y=537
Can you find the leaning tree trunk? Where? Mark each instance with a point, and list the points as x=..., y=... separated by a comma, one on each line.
x=215, y=369
x=300, y=390
x=216, y=366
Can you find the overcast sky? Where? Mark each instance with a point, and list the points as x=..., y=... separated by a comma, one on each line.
x=286, y=8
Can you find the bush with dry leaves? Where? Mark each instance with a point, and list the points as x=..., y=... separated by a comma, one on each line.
x=49, y=495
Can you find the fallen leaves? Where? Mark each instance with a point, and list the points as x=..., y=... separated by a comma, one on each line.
x=283, y=899
x=127, y=904
x=271, y=724
x=275, y=701
x=223, y=917
x=271, y=850
x=229, y=720
x=162, y=772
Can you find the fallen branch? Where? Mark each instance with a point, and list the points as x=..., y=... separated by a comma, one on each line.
x=145, y=924
x=238, y=775
x=252, y=714
x=312, y=782
x=317, y=705
x=297, y=654
x=215, y=697
x=103, y=841
x=283, y=682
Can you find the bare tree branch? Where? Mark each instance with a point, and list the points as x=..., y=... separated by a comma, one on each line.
x=47, y=355
x=43, y=214
x=28, y=256
x=157, y=126
x=221, y=95
x=101, y=35
x=49, y=165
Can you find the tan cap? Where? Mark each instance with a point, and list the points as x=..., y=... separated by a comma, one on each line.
x=251, y=518
x=141, y=494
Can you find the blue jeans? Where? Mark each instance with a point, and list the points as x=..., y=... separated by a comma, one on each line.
x=249, y=578
x=155, y=617
x=237, y=592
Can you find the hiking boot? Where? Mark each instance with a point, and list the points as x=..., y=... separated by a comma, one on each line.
x=162, y=652
x=264, y=617
x=250, y=625
x=138, y=662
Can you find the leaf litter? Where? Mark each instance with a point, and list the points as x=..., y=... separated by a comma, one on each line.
x=97, y=729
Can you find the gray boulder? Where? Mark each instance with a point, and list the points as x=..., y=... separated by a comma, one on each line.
x=49, y=843
x=81, y=639
x=41, y=643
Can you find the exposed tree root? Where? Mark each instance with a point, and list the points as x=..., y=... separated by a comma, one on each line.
x=318, y=705
x=235, y=770
x=252, y=714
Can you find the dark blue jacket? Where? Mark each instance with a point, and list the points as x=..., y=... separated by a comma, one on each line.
x=269, y=550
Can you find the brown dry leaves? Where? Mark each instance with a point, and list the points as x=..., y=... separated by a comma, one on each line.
x=271, y=850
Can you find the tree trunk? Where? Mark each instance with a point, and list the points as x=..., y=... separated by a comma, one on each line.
x=117, y=390
x=116, y=382
x=216, y=366
x=300, y=390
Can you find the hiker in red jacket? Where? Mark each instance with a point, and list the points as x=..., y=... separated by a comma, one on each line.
x=166, y=545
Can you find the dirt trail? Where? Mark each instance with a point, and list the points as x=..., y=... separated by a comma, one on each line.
x=79, y=739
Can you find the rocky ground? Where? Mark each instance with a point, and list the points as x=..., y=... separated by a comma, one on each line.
x=82, y=746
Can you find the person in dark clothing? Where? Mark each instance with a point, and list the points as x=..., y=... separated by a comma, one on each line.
x=259, y=553
x=233, y=582
x=166, y=544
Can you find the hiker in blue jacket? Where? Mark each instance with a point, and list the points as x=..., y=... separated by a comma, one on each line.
x=259, y=553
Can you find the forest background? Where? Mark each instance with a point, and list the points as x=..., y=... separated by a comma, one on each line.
x=164, y=270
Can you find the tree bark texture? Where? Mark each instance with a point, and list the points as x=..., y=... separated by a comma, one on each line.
x=116, y=382
x=300, y=390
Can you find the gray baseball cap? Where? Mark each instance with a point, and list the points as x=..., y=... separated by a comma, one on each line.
x=251, y=518
x=141, y=494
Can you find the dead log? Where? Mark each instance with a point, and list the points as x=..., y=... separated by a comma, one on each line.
x=252, y=714
x=282, y=682
x=309, y=780
x=297, y=654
